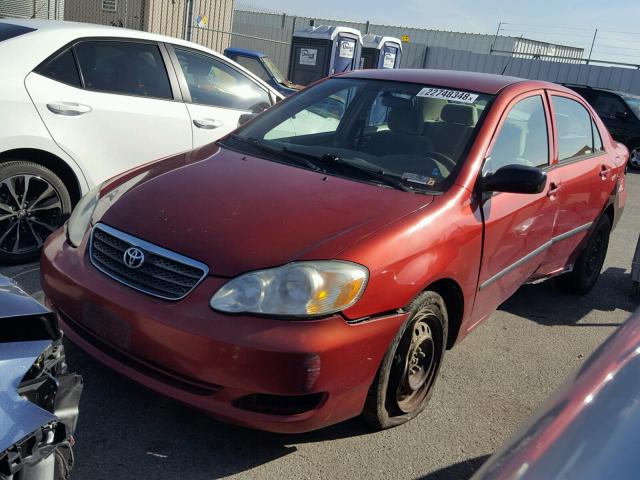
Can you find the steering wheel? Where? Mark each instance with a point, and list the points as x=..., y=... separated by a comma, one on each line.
x=442, y=158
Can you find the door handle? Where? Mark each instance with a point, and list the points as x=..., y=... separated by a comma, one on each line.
x=553, y=190
x=207, y=123
x=68, y=109
x=604, y=172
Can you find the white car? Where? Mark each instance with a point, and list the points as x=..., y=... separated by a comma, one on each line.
x=81, y=103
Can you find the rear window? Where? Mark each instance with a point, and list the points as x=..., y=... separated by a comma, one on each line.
x=9, y=30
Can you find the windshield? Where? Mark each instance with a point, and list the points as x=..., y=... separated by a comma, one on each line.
x=414, y=136
x=634, y=105
x=275, y=71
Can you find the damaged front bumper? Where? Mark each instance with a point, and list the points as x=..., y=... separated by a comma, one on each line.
x=38, y=396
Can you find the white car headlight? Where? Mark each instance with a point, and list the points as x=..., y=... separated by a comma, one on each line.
x=297, y=289
x=81, y=216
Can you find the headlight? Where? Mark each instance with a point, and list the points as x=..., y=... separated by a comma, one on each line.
x=296, y=289
x=81, y=216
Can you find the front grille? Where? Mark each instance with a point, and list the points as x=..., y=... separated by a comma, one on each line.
x=163, y=273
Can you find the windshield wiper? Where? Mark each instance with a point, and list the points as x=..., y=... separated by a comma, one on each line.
x=380, y=175
x=308, y=160
x=297, y=157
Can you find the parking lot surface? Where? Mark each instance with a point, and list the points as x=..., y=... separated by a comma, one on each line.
x=489, y=384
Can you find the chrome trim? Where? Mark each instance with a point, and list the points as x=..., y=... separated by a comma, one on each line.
x=537, y=251
x=151, y=248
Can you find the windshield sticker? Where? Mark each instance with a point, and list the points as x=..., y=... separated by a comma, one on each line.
x=308, y=56
x=421, y=179
x=452, y=95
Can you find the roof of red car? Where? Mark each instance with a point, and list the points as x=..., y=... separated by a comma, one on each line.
x=476, y=82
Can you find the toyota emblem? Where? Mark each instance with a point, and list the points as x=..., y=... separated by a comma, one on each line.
x=133, y=257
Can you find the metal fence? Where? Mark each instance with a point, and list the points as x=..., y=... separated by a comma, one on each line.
x=615, y=78
x=257, y=29
x=271, y=33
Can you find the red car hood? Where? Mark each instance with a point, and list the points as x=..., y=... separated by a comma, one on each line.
x=239, y=213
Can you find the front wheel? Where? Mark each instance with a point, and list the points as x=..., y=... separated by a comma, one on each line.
x=33, y=203
x=405, y=379
x=586, y=270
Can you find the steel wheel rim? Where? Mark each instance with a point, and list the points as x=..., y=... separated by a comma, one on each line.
x=634, y=158
x=595, y=258
x=30, y=209
x=420, y=366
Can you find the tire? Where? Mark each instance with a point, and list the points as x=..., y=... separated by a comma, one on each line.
x=396, y=395
x=586, y=270
x=635, y=289
x=34, y=202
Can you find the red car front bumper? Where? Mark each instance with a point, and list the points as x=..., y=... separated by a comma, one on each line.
x=317, y=372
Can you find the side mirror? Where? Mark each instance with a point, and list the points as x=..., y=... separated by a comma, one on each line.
x=624, y=116
x=515, y=179
x=245, y=117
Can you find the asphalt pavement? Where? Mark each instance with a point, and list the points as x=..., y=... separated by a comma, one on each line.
x=489, y=384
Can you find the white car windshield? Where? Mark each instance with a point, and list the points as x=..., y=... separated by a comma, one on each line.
x=416, y=136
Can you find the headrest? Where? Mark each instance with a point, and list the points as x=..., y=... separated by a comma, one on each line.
x=393, y=101
x=405, y=120
x=460, y=114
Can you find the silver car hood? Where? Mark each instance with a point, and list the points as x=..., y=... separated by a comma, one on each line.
x=19, y=417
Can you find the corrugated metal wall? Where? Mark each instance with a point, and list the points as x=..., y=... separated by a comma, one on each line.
x=623, y=79
x=128, y=13
x=279, y=27
x=51, y=9
x=212, y=22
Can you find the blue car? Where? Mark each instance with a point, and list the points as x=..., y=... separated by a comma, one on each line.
x=261, y=65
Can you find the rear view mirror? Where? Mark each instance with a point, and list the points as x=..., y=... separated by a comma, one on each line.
x=515, y=179
x=245, y=117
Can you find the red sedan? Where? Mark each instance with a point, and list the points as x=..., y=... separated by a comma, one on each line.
x=316, y=264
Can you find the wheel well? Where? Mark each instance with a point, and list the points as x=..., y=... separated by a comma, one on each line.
x=50, y=161
x=451, y=293
x=609, y=212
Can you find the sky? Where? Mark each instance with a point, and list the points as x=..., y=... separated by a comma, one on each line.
x=570, y=22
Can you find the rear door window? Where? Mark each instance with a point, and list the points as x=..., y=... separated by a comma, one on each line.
x=62, y=68
x=573, y=128
x=129, y=68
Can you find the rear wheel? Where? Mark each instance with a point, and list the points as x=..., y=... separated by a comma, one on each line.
x=404, y=382
x=589, y=263
x=33, y=203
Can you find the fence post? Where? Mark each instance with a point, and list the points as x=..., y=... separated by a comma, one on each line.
x=188, y=20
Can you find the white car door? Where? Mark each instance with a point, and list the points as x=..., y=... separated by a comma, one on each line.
x=218, y=94
x=117, y=111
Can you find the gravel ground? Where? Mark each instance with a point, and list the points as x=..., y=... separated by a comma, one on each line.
x=489, y=384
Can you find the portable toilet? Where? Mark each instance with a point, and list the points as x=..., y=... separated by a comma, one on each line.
x=381, y=52
x=317, y=52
